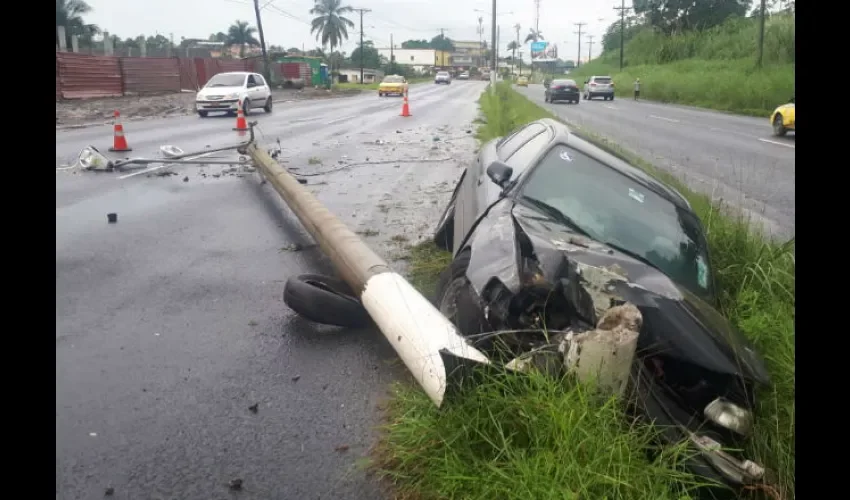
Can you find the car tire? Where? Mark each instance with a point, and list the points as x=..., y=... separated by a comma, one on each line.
x=584, y=96
x=576, y=101
x=246, y=107
x=779, y=129
x=325, y=300
x=454, y=286
x=268, y=107
x=611, y=98
x=202, y=114
x=444, y=234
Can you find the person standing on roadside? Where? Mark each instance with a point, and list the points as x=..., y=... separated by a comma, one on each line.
x=637, y=88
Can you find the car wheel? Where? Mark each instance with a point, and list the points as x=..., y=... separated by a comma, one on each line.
x=575, y=102
x=584, y=96
x=202, y=114
x=545, y=99
x=268, y=107
x=455, y=298
x=325, y=300
x=246, y=107
x=778, y=128
x=611, y=98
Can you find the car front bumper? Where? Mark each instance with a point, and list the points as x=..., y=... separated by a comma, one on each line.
x=390, y=90
x=222, y=105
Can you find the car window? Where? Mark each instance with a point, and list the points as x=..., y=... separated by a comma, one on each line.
x=251, y=80
x=522, y=157
x=393, y=79
x=563, y=82
x=613, y=208
x=226, y=80
x=602, y=79
x=259, y=79
x=513, y=142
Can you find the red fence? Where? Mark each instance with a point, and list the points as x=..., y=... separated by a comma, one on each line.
x=81, y=76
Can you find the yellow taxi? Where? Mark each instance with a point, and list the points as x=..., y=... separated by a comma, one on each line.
x=522, y=81
x=392, y=84
x=782, y=119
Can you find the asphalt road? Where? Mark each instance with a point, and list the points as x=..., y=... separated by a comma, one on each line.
x=170, y=323
x=734, y=158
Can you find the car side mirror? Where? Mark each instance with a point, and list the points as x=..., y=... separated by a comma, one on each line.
x=499, y=173
x=792, y=99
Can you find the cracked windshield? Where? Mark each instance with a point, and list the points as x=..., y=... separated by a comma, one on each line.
x=294, y=238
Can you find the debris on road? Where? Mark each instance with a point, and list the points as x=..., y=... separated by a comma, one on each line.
x=112, y=218
x=341, y=448
x=109, y=492
x=254, y=408
x=235, y=484
x=296, y=378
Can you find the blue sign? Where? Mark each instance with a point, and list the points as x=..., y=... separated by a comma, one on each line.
x=539, y=46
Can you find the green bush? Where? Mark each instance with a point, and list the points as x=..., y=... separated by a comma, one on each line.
x=538, y=438
x=715, y=68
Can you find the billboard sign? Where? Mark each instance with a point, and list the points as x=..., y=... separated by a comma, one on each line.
x=543, y=52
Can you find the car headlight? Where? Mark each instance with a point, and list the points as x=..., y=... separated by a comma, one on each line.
x=729, y=416
x=232, y=96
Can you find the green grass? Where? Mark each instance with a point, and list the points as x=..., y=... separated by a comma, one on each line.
x=714, y=68
x=537, y=438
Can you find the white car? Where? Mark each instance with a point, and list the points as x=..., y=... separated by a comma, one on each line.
x=224, y=90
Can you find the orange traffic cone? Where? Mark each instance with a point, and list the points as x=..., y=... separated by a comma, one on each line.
x=241, y=124
x=119, y=142
x=405, y=108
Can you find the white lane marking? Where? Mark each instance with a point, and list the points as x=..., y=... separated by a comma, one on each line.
x=610, y=107
x=149, y=170
x=671, y=120
x=778, y=143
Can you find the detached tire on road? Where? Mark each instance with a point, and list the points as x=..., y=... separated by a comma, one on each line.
x=326, y=300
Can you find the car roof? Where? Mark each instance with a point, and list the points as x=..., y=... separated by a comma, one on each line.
x=560, y=133
x=236, y=73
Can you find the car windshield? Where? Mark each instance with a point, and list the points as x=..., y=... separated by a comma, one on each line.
x=612, y=208
x=602, y=79
x=226, y=80
x=394, y=79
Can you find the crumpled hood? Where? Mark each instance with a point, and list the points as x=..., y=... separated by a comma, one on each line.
x=677, y=323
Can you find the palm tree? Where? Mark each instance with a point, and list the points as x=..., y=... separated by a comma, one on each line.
x=69, y=14
x=513, y=46
x=329, y=25
x=241, y=34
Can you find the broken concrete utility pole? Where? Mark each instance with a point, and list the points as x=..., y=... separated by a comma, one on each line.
x=418, y=332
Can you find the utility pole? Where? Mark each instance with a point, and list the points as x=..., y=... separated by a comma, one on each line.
x=622, y=8
x=516, y=27
x=590, y=47
x=392, y=57
x=361, y=11
x=578, y=61
x=493, y=65
x=537, y=16
x=761, y=34
x=266, y=72
x=480, y=41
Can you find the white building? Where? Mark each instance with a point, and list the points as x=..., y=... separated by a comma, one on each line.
x=419, y=59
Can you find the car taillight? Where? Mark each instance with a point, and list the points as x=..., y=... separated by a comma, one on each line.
x=592, y=84
x=559, y=87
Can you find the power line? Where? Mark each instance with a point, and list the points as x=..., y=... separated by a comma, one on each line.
x=362, y=52
x=578, y=60
x=622, y=8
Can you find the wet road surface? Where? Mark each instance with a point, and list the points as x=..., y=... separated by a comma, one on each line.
x=170, y=324
x=734, y=158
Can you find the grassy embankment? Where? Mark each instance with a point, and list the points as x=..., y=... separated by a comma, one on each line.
x=714, y=69
x=536, y=438
x=374, y=86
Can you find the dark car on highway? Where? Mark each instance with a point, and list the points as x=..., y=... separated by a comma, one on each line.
x=538, y=212
x=562, y=90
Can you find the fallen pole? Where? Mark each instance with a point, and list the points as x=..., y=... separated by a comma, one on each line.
x=418, y=332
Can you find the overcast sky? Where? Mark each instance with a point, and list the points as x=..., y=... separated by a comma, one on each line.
x=287, y=22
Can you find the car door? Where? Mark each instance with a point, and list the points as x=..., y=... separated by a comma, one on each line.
x=265, y=91
x=254, y=92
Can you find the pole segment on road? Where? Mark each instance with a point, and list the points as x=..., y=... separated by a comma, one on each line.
x=418, y=332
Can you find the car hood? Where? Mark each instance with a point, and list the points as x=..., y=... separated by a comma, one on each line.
x=214, y=91
x=676, y=322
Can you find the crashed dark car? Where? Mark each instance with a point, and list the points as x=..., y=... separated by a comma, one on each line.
x=542, y=204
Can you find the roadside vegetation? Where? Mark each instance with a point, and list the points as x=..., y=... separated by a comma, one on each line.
x=713, y=68
x=374, y=86
x=537, y=438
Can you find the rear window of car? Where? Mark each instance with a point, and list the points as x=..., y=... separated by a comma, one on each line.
x=564, y=82
x=602, y=79
x=393, y=79
x=443, y=73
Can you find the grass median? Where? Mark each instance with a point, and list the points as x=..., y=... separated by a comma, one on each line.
x=538, y=438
